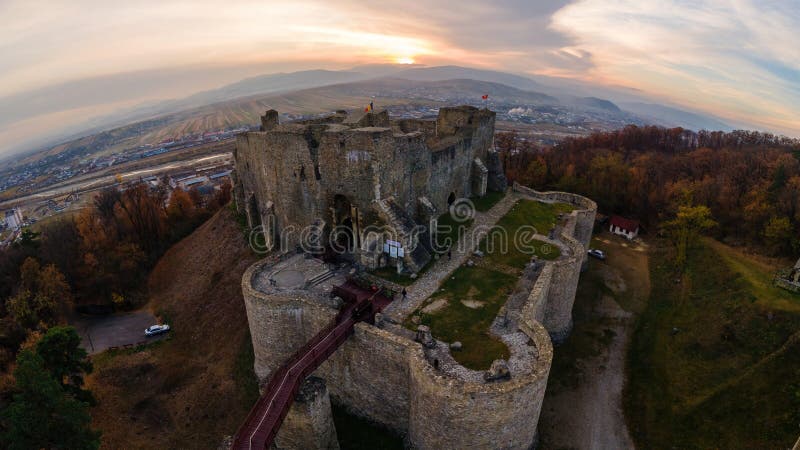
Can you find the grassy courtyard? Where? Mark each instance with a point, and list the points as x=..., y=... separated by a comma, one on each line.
x=525, y=213
x=463, y=310
x=485, y=203
x=715, y=359
x=467, y=302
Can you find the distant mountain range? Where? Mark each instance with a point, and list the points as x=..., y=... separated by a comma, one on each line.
x=674, y=117
x=245, y=99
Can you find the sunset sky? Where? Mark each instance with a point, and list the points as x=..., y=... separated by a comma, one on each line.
x=737, y=59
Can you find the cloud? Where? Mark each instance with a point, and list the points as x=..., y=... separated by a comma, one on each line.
x=738, y=59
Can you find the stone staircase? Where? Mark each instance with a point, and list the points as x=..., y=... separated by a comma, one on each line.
x=404, y=227
x=319, y=278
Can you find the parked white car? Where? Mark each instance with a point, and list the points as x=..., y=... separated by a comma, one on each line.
x=156, y=329
x=599, y=254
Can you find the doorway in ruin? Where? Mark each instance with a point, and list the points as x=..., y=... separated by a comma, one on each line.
x=343, y=234
x=253, y=215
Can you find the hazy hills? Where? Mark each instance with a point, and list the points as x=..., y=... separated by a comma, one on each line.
x=312, y=91
x=674, y=117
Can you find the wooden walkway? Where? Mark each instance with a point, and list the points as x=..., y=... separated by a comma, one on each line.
x=264, y=421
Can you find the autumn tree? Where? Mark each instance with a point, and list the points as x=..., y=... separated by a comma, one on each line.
x=687, y=225
x=61, y=245
x=779, y=235
x=609, y=179
x=43, y=297
x=108, y=264
x=222, y=197
x=141, y=210
x=181, y=207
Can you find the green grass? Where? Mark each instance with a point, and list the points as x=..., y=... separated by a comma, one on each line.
x=449, y=237
x=390, y=274
x=470, y=326
x=485, y=203
x=759, y=276
x=525, y=213
x=356, y=433
x=730, y=376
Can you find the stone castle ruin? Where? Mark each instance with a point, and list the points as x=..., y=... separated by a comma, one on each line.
x=348, y=175
x=363, y=171
x=789, y=279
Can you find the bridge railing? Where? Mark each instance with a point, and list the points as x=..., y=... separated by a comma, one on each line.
x=264, y=420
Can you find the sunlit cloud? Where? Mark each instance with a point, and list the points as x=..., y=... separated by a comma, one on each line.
x=738, y=59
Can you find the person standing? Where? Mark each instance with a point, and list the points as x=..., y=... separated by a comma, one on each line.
x=405, y=294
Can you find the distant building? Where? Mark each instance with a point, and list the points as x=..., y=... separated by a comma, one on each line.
x=13, y=219
x=192, y=182
x=219, y=175
x=624, y=227
x=176, y=179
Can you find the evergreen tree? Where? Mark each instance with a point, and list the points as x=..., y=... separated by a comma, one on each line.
x=42, y=415
x=65, y=359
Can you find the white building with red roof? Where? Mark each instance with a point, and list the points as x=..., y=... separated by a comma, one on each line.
x=624, y=227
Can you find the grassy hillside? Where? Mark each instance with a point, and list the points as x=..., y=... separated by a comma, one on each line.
x=191, y=389
x=715, y=360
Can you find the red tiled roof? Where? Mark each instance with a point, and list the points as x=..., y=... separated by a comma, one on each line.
x=628, y=225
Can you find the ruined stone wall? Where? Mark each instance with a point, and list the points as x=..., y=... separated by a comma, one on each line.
x=584, y=214
x=462, y=134
x=370, y=374
x=449, y=413
x=277, y=170
x=466, y=121
x=289, y=175
x=309, y=422
x=428, y=127
x=451, y=170
x=534, y=308
x=576, y=233
x=351, y=163
x=561, y=295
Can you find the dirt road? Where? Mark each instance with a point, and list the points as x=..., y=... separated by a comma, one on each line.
x=583, y=404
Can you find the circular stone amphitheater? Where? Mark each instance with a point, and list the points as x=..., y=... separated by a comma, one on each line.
x=397, y=371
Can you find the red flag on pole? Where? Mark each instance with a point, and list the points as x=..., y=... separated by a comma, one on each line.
x=485, y=96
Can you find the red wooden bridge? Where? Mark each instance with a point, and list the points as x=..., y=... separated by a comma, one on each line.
x=264, y=420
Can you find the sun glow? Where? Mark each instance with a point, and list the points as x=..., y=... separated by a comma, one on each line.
x=404, y=60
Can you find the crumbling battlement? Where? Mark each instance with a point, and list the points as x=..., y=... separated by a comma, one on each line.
x=333, y=171
x=554, y=293
x=581, y=220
